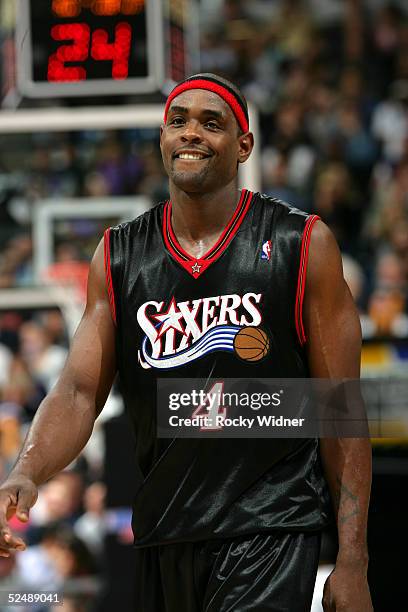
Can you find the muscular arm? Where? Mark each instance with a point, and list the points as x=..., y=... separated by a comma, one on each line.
x=334, y=346
x=64, y=420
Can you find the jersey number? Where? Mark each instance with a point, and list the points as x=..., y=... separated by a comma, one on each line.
x=212, y=408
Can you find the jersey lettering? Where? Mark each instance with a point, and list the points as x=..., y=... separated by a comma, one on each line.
x=185, y=331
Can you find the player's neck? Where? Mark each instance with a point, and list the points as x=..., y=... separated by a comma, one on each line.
x=199, y=216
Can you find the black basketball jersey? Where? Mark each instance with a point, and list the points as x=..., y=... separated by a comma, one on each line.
x=177, y=316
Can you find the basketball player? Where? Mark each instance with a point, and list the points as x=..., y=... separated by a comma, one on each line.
x=220, y=524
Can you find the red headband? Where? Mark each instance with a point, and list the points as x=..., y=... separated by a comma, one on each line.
x=221, y=91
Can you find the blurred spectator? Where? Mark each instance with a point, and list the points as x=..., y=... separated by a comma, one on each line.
x=44, y=359
x=389, y=207
x=216, y=54
x=389, y=273
x=9, y=578
x=321, y=119
x=58, y=559
x=353, y=90
x=69, y=555
x=355, y=279
x=91, y=526
x=386, y=30
x=359, y=147
x=7, y=570
x=15, y=262
x=386, y=310
x=293, y=27
x=119, y=170
x=154, y=183
x=10, y=438
x=59, y=500
x=54, y=326
x=19, y=396
x=96, y=185
x=390, y=122
x=66, y=251
x=387, y=303
x=5, y=362
x=337, y=203
x=284, y=175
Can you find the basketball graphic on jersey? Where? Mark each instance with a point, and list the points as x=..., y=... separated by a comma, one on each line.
x=251, y=343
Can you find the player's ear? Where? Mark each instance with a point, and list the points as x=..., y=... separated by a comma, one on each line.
x=161, y=136
x=246, y=144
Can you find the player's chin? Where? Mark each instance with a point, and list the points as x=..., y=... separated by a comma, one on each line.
x=189, y=180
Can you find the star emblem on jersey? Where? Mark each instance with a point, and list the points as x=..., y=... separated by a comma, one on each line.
x=170, y=320
x=196, y=268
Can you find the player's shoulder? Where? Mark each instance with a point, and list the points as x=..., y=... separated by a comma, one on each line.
x=287, y=217
x=141, y=223
x=282, y=211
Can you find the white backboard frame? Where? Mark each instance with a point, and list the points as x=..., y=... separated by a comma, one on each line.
x=50, y=210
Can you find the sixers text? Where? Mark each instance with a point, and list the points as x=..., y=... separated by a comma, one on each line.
x=180, y=332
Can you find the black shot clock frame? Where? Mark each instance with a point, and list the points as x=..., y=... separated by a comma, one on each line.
x=102, y=47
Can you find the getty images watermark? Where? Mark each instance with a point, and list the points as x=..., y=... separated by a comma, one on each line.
x=211, y=409
x=280, y=408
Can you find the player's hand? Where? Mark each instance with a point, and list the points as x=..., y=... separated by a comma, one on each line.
x=17, y=495
x=346, y=590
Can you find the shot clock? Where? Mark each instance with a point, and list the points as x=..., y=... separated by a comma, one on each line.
x=102, y=47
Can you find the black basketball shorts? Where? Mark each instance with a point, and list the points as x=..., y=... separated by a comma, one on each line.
x=265, y=572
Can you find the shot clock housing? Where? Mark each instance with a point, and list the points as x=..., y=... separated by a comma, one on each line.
x=104, y=47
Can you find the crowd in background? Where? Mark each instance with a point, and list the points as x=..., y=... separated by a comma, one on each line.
x=330, y=81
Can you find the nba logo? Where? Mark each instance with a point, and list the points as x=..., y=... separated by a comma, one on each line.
x=266, y=250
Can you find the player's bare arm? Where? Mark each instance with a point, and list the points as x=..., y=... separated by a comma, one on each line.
x=64, y=420
x=334, y=346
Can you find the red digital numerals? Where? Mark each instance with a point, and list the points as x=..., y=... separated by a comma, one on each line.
x=101, y=50
x=117, y=52
x=72, y=8
x=78, y=52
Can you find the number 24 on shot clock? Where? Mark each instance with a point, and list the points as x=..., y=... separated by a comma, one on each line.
x=90, y=47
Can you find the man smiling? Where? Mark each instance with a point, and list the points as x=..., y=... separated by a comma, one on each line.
x=220, y=524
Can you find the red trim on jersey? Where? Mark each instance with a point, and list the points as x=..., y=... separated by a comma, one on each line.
x=108, y=273
x=301, y=284
x=196, y=266
x=221, y=91
x=232, y=227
